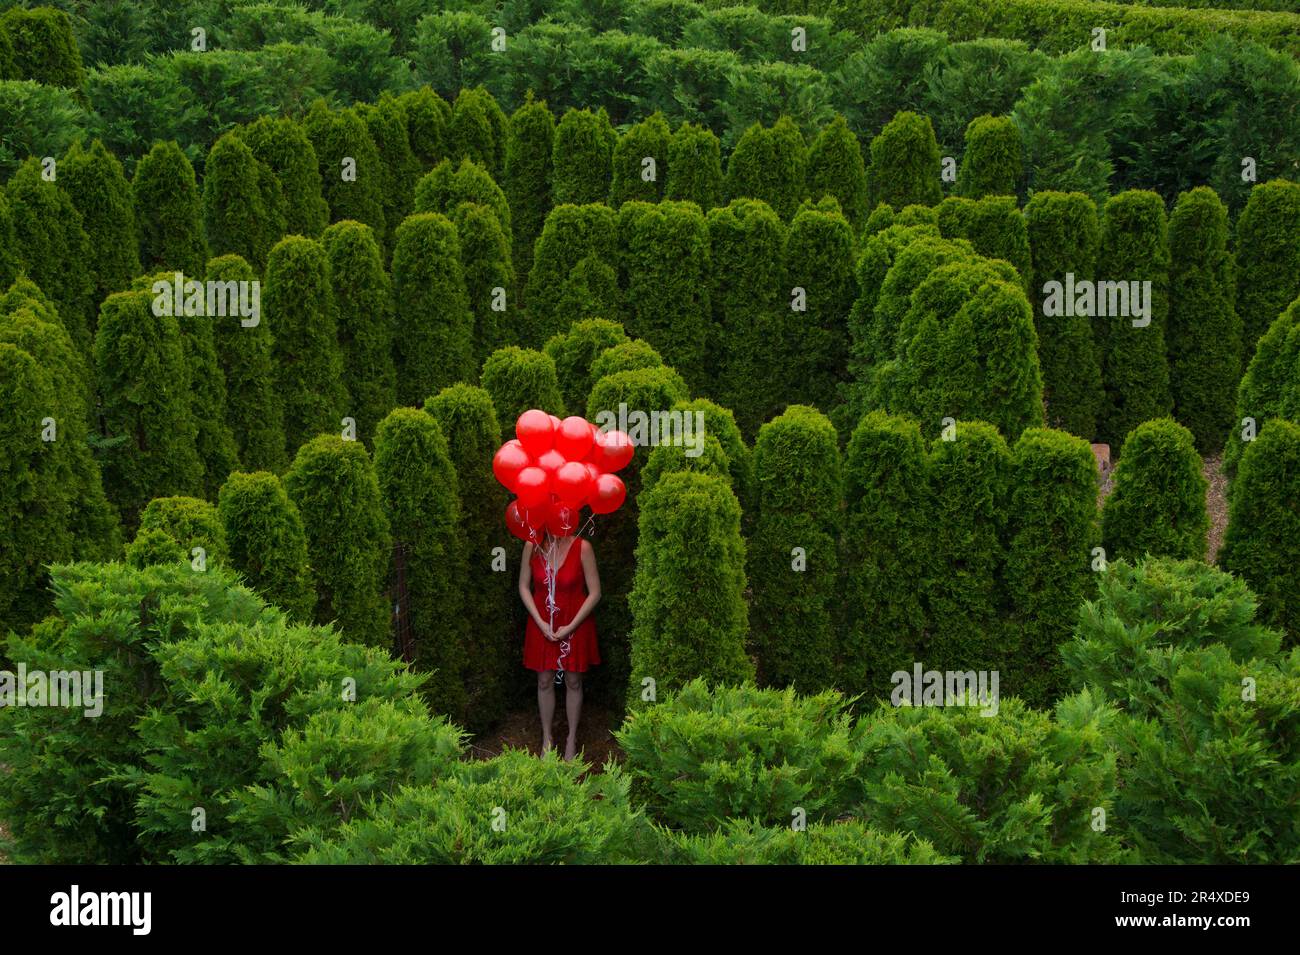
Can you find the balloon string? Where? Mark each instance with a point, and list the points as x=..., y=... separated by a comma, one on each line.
x=552, y=571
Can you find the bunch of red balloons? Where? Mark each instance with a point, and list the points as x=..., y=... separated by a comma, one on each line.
x=555, y=468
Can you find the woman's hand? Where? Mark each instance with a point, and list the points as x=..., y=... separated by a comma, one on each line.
x=563, y=633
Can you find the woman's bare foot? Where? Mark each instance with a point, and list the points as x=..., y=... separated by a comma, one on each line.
x=547, y=745
x=570, y=750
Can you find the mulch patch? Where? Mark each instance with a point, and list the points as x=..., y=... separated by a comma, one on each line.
x=522, y=729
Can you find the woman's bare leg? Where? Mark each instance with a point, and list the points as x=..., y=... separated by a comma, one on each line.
x=573, y=710
x=546, y=706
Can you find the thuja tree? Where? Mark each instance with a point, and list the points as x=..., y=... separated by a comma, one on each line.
x=772, y=165
x=386, y=123
x=640, y=162
x=434, y=343
x=631, y=355
x=575, y=350
x=720, y=423
x=905, y=163
x=664, y=254
x=421, y=500
x=519, y=379
x=1135, y=367
x=1052, y=529
x=793, y=564
x=254, y=403
x=819, y=260
x=530, y=137
x=1268, y=255
x=489, y=276
x=694, y=167
x=243, y=205
x=751, y=308
x=427, y=116
x=281, y=144
x=363, y=305
x=884, y=551
x=145, y=413
x=333, y=485
x=449, y=184
x=192, y=523
x=44, y=47
x=706, y=458
x=299, y=306
x=572, y=234
x=1158, y=504
x=468, y=422
x=10, y=264
x=1262, y=543
x=1064, y=237
x=912, y=264
x=99, y=190
x=1264, y=388
x=477, y=130
x=168, y=211
x=1204, y=335
x=581, y=157
x=994, y=226
x=266, y=541
x=351, y=178
x=836, y=168
x=689, y=618
x=966, y=512
x=993, y=162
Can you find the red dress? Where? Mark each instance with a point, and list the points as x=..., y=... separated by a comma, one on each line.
x=570, y=594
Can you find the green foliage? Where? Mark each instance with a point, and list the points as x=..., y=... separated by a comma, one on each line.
x=43, y=47
x=575, y=352
x=477, y=130
x=1270, y=376
x=450, y=184
x=1157, y=506
x=995, y=228
x=168, y=211
x=707, y=457
x=238, y=219
x=38, y=120
x=427, y=118
x=993, y=163
x=489, y=276
x=582, y=157
x=1268, y=254
x=720, y=423
x=530, y=139
x=352, y=190
x=770, y=164
x=266, y=541
x=94, y=180
x=745, y=842
x=905, y=163
x=191, y=523
x=333, y=486
x=282, y=145
x=519, y=379
x=575, y=243
x=648, y=139
x=631, y=355
x=694, y=167
x=836, y=168
x=386, y=123
x=153, y=547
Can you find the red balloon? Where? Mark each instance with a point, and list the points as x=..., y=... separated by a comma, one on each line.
x=535, y=431
x=555, y=422
x=533, y=487
x=537, y=518
x=613, y=451
x=510, y=459
x=563, y=521
x=593, y=472
x=572, y=483
x=517, y=526
x=608, y=495
x=574, y=439
x=551, y=462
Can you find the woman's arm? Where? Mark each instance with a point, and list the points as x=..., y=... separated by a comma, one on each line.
x=592, y=575
x=526, y=592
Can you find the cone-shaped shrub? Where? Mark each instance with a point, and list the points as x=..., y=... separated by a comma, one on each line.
x=1268, y=257
x=905, y=163
x=793, y=565
x=333, y=485
x=363, y=303
x=99, y=190
x=144, y=388
x=582, y=157
x=1204, y=335
x=694, y=167
x=421, y=500
x=771, y=165
x=386, y=123
x=664, y=254
x=1064, y=236
x=433, y=328
x=633, y=177
x=1262, y=543
x=993, y=163
x=168, y=211
x=672, y=458
x=191, y=523
x=836, y=168
x=449, y=184
x=1158, y=504
x=519, y=379
x=720, y=423
x=688, y=605
x=237, y=217
x=963, y=555
x=254, y=403
x=1270, y=377
x=1135, y=367
x=475, y=130
x=1051, y=531
x=281, y=144
x=299, y=305
x=913, y=263
x=489, y=276
x=10, y=263
x=353, y=190
x=630, y=355
x=571, y=235
x=44, y=47
x=467, y=420
x=266, y=541
x=427, y=117
x=994, y=226
x=527, y=177
x=574, y=352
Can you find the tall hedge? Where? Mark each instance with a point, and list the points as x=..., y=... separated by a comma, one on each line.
x=1135, y=367
x=434, y=343
x=237, y=217
x=332, y=483
x=489, y=277
x=574, y=352
x=632, y=177
x=189, y=521
x=770, y=164
x=1204, y=336
x=1052, y=529
x=427, y=117
x=1064, y=238
x=266, y=541
x=993, y=162
x=688, y=605
x=363, y=305
x=1262, y=543
x=94, y=180
x=994, y=226
x=254, y=402
x=282, y=145
x=449, y=184
x=793, y=564
x=1268, y=257
x=905, y=163
x=527, y=177
x=400, y=169
x=581, y=158
x=298, y=302
x=720, y=423
x=477, y=130
x=337, y=135
x=571, y=235
x=519, y=379
x=1157, y=506
x=694, y=167
x=168, y=211
x=1270, y=376
x=836, y=168
x=44, y=47
x=421, y=500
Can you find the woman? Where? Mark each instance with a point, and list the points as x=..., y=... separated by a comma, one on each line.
x=560, y=587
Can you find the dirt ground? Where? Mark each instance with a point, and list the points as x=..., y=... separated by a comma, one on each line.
x=522, y=729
